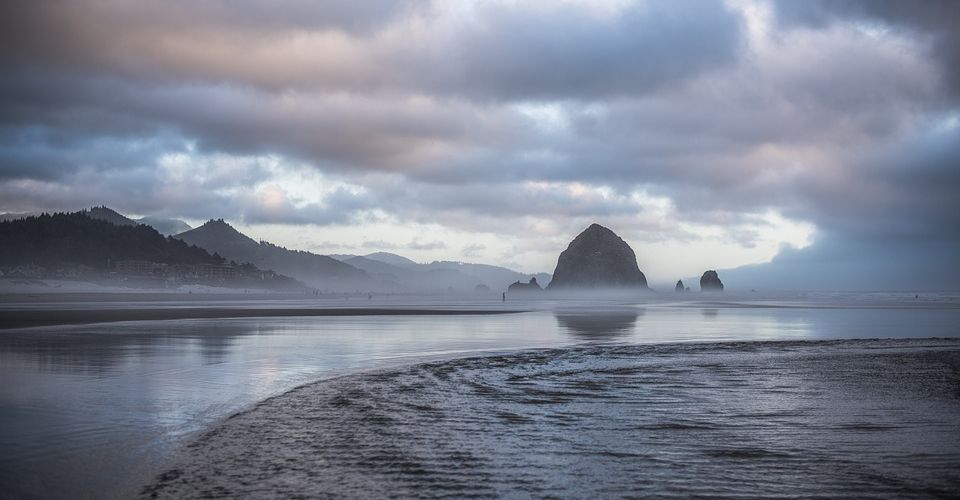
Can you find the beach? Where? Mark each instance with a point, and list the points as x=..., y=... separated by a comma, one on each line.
x=852, y=419
x=109, y=409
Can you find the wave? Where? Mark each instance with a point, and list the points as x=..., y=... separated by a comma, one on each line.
x=762, y=419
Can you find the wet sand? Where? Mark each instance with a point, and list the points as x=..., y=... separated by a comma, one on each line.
x=98, y=410
x=18, y=310
x=146, y=295
x=19, y=318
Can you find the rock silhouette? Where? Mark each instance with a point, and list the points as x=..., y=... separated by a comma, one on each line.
x=596, y=258
x=710, y=282
x=532, y=286
x=679, y=287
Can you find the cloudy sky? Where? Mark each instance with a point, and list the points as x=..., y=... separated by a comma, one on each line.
x=822, y=135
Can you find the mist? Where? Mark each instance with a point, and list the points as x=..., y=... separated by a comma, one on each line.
x=483, y=248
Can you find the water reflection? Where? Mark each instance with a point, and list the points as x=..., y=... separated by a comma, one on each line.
x=95, y=408
x=598, y=325
x=93, y=350
x=91, y=410
x=709, y=312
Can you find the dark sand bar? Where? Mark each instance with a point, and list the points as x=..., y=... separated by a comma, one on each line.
x=18, y=318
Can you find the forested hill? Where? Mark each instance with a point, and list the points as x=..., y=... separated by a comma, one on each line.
x=75, y=238
x=315, y=270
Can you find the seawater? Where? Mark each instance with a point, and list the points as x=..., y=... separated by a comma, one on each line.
x=837, y=419
x=97, y=411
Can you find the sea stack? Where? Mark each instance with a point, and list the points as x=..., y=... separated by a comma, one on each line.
x=517, y=286
x=679, y=287
x=710, y=282
x=597, y=258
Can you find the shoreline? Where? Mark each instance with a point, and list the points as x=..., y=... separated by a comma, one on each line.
x=232, y=360
x=25, y=318
x=27, y=311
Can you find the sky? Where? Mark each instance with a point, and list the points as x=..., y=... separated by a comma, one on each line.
x=813, y=141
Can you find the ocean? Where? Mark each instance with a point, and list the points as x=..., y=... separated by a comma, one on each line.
x=821, y=395
x=838, y=419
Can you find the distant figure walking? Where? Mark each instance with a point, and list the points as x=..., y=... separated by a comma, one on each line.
x=369, y=296
x=504, y=299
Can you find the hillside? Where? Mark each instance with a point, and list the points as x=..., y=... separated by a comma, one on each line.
x=51, y=240
x=316, y=270
x=164, y=226
x=437, y=275
x=392, y=259
x=377, y=268
x=80, y=248
x=109, y=215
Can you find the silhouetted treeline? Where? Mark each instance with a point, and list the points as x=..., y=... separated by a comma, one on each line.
x=75, y=238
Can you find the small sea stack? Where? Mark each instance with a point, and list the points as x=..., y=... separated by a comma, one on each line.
x=710, y=282
x=518, y=287
x=679, y=287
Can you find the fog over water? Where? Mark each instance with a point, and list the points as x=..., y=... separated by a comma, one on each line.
x=100, y=409
x=271, y=249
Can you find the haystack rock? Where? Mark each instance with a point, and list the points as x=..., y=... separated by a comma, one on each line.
x=710, y=282
x=679, y=287
x=597, y=258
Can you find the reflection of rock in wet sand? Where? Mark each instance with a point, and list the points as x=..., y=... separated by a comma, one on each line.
x=598, y=325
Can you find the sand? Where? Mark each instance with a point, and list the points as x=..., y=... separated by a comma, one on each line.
x=18, y=318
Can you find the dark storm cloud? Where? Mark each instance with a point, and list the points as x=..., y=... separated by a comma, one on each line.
x=78, y=32
x=125, y=72
x=45, y=153
x=490, y=51
x=843, y=262
x=532, y=53
x=499, y=117
x=934, y=21
x=889, y=224
x=906, y=191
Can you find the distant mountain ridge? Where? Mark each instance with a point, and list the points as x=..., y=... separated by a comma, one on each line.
x=316, y=270
x=109, y=215
x=392, y=258
x=437, y=275
x=165, y=226
x=378, y=271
